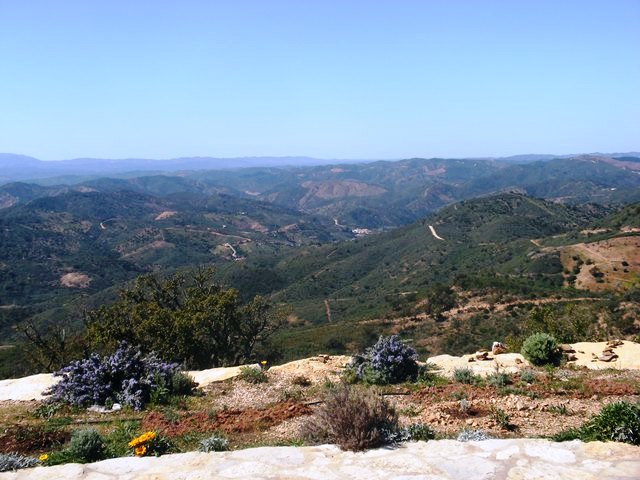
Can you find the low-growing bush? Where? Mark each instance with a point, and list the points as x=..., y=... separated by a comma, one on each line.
x=126, y=377
x=472, y=435
x=353, y=418
x=466, y=376
x=86, y=446
x=498, y=379
x=214, y=443
x=527, y=376
x=618, y=422
x=13, y=461
x=541, y=349
x=420, y=432
x=252, y=375
x=388, y=361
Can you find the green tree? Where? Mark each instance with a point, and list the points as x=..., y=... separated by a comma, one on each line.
x=192, y=320
x=440, y=299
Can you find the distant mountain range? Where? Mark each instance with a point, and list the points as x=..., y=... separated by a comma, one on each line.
x=21, y=167
x=372, y=195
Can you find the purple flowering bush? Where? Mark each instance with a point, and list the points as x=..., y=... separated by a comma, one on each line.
x=388, y=361
x=125, y=377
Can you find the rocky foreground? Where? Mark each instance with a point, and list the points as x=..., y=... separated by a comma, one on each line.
x=443, y=460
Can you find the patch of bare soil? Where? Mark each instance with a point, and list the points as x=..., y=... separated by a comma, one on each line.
x=550, y=405
x=75, y=280
x=166, y=214
x=609, y=264
x=228, y=421
x=29, y=439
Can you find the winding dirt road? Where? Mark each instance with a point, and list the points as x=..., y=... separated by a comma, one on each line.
x=433, y=232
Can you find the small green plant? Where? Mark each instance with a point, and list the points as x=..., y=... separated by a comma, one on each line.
x=212, y=413
x=420, y=432
x=13, y=461
x=501, y=418
x=466, y=376
x=498, y=379
x=183, y=384
x=528, y=376
x=541, y=349
x=559, y=410
x=253, y=375
x=472, y=435
x=116, y=439
x=47, y=410
x=214, y=443
x=87, y=446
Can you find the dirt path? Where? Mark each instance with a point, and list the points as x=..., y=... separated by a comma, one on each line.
x=234, y=254
x=327, y=307
x=433, y=232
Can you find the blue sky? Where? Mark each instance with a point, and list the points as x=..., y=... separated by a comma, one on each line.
x=331, y=79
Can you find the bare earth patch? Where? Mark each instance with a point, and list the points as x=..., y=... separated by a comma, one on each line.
x=166, y=214
x=75, y=280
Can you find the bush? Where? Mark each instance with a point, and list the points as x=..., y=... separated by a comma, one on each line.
x=13, y=461
x=125, y=377
x=215, y=443
x=388, y=361
x=541, y=349
x=466, y=376
x=253, y=375
x=498, y=379
x=86, y=446
x=618, y=422
x=353, y=418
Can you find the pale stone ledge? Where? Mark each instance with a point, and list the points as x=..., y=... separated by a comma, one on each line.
x=524, y=459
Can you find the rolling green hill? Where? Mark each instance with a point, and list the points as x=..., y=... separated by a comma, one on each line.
x=56, y=248
x=488, y=237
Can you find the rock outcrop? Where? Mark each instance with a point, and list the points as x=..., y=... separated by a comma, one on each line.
x=444, y=460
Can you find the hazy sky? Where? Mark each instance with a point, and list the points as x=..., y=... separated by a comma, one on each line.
x=331, y=79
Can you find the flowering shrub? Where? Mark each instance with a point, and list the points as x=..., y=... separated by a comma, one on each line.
x=126, y=377
x=388, y=361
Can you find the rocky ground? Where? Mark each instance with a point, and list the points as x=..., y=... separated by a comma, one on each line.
x=272, y=413
x=441, y=460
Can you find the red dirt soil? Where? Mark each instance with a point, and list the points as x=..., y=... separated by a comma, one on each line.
x=228, y=421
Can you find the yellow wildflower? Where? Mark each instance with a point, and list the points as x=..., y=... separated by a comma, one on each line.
x=44, y=457
x=140, y=451
x=145, y=437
